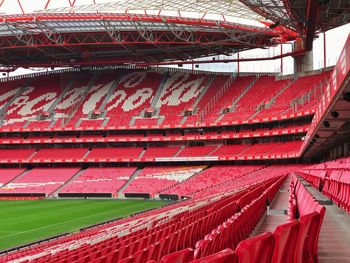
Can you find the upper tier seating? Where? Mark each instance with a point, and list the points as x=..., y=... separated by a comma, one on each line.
x=37, y=97
x=179, y=93
x=235, y=89
x=99, y=180
x=40, y=180
x=8, y=90
x=156, y=179
x=133, y=94
x=123, y=94
x=300, y=87
x=247, y=105
x=71, y=101
x=217, y=83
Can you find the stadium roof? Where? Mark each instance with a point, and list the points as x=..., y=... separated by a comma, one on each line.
x=151, y=31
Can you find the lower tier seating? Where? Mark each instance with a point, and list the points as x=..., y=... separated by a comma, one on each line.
x=39, y=181
x=156, y=179
x=332, y=178
x=209, y=226
x=99, y=180
x=7, y=175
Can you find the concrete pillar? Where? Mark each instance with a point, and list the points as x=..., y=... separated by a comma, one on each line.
x=346, y=149
x=304, y=62
x=340, y=151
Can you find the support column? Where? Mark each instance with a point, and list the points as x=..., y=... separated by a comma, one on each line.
x=304, y=63
x=346, y=149
x=281, y=59
x=324, y=51
x=238, y=63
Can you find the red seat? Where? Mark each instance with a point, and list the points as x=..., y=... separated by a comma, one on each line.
x=305, y=248
x=224, y=256
x=182, y=256
x=258, y=249
x=286, y=238
x=127, y=260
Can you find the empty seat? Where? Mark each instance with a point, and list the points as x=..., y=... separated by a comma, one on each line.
x=286, y=238
x=258, y=249
x=182, y=256
x=224, y=256
x=305, y=250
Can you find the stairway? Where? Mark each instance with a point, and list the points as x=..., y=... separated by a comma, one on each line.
x=234, y=103
x=132, y=177
x=55, y=193
x=277, y=211
x=59, y=99
x=198, y=99
x=84, y=93
x=206, y=87
x=3, y=110
x=334, y=240
x=177, y=153
x=273, y=99
x=193, y=175
x=156, y=97
x=111, y=90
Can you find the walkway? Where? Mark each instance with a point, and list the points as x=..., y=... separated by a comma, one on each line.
x=334, y=238
x=277, y=212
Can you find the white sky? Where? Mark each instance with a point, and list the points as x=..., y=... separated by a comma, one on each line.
x=335, y=40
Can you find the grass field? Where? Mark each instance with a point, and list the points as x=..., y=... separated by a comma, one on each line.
x=27, y=221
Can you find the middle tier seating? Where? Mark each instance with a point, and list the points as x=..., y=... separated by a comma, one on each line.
x=62, y=155
x=67, y=154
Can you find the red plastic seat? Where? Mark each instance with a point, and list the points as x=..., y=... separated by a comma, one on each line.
x=305, y=249
x=258, y=249
x=224, y=256
x=182, y=256
x=286, y=238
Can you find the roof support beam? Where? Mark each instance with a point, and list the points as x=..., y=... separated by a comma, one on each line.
x=311, y=18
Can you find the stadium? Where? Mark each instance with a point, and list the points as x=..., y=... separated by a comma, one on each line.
x=145, y=131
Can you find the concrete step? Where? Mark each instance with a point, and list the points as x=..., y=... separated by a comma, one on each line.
x=132, y=178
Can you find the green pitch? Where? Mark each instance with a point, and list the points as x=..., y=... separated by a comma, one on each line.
x=27, y=221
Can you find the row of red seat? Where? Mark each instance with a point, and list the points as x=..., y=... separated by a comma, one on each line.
x=303, y=206
x=332, y=178
x=198, y=226
x=189, y=220
x=293, y=242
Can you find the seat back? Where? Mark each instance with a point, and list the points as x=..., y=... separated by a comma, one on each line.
x=286, y=238
x=182, y=256
x=224, y=256
x=305, y=248
x=258, y=249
